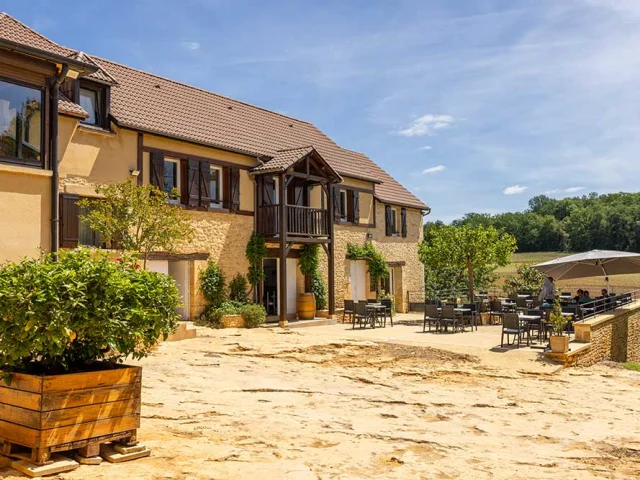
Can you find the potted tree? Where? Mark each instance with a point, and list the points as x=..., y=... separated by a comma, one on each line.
x=309, y=261
x=68, y=323
x=558, y=341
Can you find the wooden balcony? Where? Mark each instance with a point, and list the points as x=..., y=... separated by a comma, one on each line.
x=300, y=221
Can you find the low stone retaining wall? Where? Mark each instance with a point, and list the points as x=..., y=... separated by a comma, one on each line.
x=615, y=337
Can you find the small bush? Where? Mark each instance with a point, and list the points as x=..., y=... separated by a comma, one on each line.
x=64, y=315
x=319, y=290
x=212, y=316
x=253, y=315
x=238, y=288
x=212, y=284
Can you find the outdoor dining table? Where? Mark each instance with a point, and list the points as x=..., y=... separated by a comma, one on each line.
x=377, y=309
x=529, y=320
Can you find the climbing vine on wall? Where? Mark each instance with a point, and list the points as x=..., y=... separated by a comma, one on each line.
x=255, y=253
x=309, y=262
x=376, y=263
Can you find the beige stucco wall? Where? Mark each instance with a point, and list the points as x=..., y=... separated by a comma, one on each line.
x=95, y=157
x=409, y=277
x=25, y=212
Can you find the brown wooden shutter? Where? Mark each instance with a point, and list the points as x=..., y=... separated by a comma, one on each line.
x=205, y=184
x=268, y=186
x=388, y=221
x=226, y=184
x=350, y=205
x=192, y=196
x=403, y=219
x=336, y=204
x=234, y=188
x=356, y=207
x=156, y=174
x=70, y=224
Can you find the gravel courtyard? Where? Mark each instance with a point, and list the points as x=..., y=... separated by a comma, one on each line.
x=329, y=403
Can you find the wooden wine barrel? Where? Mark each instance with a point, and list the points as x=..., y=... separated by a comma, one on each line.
x=306, y=306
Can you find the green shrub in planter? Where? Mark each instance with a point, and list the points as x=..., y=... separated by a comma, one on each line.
x=63, y=316
x=238, y=288
x=212, y=284
x=253, y=315
x=212, y=316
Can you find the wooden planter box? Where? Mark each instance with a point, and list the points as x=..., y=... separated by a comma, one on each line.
x=232, y=321
x=63, y=412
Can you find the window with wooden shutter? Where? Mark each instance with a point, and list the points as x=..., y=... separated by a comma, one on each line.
x=403, y=220
x=349, y=205
x=192, y=195
x=356, y=207
x=156, y=170
x=268, y=190
x=388, y=221
x=234, y=188
x=336, y=204
x=205, y=185
x=70, y=223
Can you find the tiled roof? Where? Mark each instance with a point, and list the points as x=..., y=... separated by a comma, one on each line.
x=154, y=104
x=68, y=107
x=100, y=75
x=283, y=159
x=12, y=29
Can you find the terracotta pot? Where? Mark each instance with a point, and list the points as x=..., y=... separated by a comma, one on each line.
x=559, y=344
x=322, y=313
x=306, y=306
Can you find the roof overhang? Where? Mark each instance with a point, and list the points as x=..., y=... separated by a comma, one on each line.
x=47, y=56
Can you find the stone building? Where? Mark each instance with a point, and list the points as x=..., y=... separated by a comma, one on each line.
x=70, y=121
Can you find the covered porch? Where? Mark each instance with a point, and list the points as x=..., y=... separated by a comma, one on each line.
x=294, y=207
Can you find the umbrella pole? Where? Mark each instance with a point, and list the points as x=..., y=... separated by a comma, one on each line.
x=606, y=278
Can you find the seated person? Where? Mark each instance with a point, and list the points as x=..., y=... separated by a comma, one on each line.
x=577, y=298
x=585, y=297
x=604, y=293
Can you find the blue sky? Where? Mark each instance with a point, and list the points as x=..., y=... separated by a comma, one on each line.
x=475, y=105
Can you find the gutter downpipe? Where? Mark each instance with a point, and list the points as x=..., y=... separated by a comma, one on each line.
x=53, y=158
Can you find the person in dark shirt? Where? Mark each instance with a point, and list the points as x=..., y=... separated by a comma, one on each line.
x=578, y=297
x=585, y=297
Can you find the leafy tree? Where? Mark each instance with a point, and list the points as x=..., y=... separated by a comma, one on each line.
x=238, y=287
x=212, y=284
x=474, y=249
x=255, y=252
x=526, y=279
x=137, y=218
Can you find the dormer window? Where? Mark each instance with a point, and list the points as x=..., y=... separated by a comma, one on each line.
x=90, y=101
x=92, y=97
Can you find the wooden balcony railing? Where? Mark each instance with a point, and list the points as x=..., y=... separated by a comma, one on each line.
x=301, y=221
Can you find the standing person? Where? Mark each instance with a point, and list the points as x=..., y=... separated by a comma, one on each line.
x=548, y=291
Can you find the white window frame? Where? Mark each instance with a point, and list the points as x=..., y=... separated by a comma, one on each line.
x=343, y=214
x=178, y=179
x=220, y=187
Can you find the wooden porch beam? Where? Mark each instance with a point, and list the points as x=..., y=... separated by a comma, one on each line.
x=283, y=251
x=330, y=256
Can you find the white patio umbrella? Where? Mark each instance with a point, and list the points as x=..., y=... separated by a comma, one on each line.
x=591, y=264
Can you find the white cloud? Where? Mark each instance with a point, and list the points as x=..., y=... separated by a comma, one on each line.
x=436, y=169
x=573, y=189
x=555, y=191
x=427, y=125
x=514, y=190
x=426, y=147
x=190, y=45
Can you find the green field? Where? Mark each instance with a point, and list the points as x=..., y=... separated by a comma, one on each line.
x=619, y=283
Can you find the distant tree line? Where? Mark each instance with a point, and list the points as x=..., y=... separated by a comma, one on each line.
x=608, y=222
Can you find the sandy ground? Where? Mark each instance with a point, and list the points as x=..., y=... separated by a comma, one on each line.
x=329, y=403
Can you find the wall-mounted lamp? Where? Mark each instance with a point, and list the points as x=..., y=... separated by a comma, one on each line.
x=134, y=173
x=369, y=236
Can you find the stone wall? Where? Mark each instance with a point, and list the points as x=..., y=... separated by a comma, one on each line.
x=224, y=237
x=409, y=277
x=614, y=337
